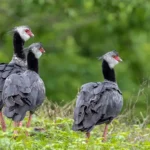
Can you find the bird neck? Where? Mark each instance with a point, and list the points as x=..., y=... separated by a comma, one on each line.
x=108, y=73
x=32, y=62
x=18, y=44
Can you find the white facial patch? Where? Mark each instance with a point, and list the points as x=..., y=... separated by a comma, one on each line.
x=22, y=33
x=110, y=60
x=36, y=52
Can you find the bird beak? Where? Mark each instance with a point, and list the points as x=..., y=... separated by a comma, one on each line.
x=30, y=33
x=118, y=58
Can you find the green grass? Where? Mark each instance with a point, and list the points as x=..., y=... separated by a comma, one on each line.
x=57, y=134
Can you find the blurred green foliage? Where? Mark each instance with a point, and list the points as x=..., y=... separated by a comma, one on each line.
x=57, y=135
x=75, y=33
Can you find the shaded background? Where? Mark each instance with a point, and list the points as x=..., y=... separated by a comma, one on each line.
x=75, y=33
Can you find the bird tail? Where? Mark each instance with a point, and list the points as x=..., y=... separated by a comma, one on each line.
x=15, y=108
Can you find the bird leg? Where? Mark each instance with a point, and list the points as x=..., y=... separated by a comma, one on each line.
x=16, y=124
x=15, y=131
x=87, y=136
x=19, y=124
x=29, y=121
x=105, y=133
x=3, y=125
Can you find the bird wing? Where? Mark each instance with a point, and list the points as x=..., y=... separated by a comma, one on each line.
x=20, y=94
x=91, y=105
x=84, y=99
x=37, y=93
x=5, y=71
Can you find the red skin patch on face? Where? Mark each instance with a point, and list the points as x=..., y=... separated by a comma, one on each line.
x=117, y=58
x=29, y=32
x=42, y=50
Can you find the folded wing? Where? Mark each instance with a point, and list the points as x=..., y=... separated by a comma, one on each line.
x=96, y=103
x=22, y=93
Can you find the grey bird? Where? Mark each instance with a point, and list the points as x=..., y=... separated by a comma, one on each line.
x=24, y=91
x=18, y=63
x=99, y=102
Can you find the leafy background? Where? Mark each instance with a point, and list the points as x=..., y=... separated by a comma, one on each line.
x=75, y=33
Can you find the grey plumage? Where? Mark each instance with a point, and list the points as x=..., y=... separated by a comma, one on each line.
x=96, y=103
x=22, y=92
x=18, y=63
x=5, y=71
x=99, y=102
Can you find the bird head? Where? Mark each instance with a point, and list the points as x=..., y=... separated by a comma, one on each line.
x=24, y=32
x=37, y=49
x=112, y=58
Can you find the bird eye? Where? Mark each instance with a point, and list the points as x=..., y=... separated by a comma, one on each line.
x=114, y=56
x=27, y=30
